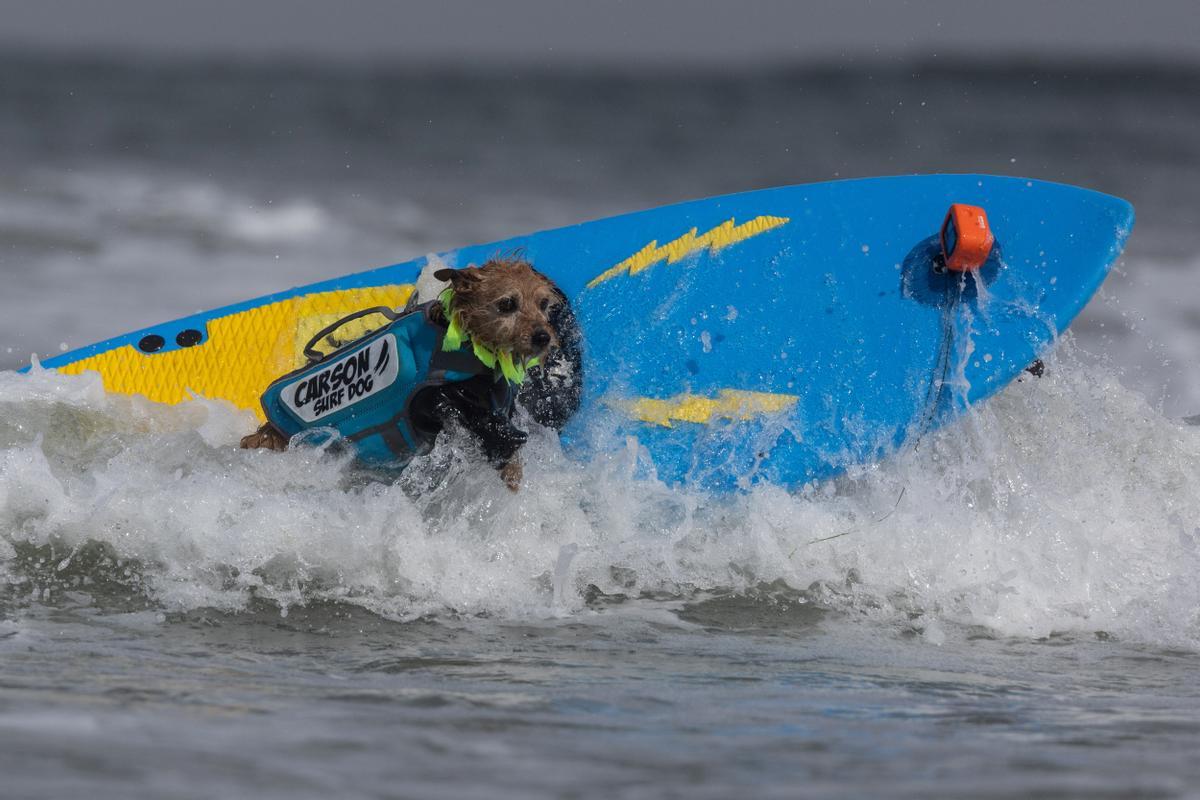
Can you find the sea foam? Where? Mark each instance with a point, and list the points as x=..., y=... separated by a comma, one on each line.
x=1066, y=503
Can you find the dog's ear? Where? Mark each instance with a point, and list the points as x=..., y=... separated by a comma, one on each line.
x=458, y=278
x=553, y=286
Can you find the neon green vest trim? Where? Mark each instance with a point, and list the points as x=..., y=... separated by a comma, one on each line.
x=502, y=361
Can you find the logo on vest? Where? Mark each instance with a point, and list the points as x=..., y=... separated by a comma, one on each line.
x=345, y=381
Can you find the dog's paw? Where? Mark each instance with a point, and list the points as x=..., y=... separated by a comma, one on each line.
x=511, y=474
x=265, y=437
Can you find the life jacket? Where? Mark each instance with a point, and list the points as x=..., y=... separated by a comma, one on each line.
x=364, y=391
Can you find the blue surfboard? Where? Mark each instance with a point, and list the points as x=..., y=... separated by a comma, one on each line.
x=778, y=335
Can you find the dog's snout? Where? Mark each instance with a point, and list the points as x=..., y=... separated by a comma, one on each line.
x=540, y=338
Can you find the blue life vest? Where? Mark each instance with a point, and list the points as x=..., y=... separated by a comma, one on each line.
x=364, y=390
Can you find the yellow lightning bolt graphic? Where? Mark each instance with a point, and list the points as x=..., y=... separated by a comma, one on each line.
x=717, y=239
x=731, y=404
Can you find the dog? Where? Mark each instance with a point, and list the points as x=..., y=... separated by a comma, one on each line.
x=506, y=307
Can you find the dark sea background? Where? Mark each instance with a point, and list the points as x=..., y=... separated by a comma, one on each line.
x=1014, y=611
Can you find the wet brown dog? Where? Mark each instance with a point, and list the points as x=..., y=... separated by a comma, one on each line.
x=505, y=305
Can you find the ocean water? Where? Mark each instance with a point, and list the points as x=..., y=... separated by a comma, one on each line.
x=1009, y=610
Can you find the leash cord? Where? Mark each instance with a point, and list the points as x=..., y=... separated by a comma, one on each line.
x=899, y=497
x=937, y=386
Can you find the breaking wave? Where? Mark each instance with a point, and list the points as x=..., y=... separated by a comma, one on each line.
x=1065, y=504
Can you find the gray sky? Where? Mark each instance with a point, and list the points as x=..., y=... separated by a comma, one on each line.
x=610, y=31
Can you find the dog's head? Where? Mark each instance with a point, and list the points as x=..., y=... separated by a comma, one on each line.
x=505, y=305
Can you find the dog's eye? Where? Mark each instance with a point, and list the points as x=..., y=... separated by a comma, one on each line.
x=545, y=304
x=507, y=305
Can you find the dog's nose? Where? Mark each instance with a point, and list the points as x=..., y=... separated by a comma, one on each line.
x=540, y=338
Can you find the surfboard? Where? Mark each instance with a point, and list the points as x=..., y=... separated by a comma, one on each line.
x=777, y=335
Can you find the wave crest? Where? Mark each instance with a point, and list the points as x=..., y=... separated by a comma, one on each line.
x=1065, y=504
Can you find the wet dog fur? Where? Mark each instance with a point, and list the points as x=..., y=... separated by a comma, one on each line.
x=505, y=304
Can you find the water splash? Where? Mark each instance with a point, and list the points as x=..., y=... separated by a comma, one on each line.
x=1066, y=503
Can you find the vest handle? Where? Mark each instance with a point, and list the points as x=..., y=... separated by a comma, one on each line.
x=314, y=355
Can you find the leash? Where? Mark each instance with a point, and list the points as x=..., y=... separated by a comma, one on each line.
x=933, y=398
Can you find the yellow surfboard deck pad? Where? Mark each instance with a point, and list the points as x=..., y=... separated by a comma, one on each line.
x=244, y=352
